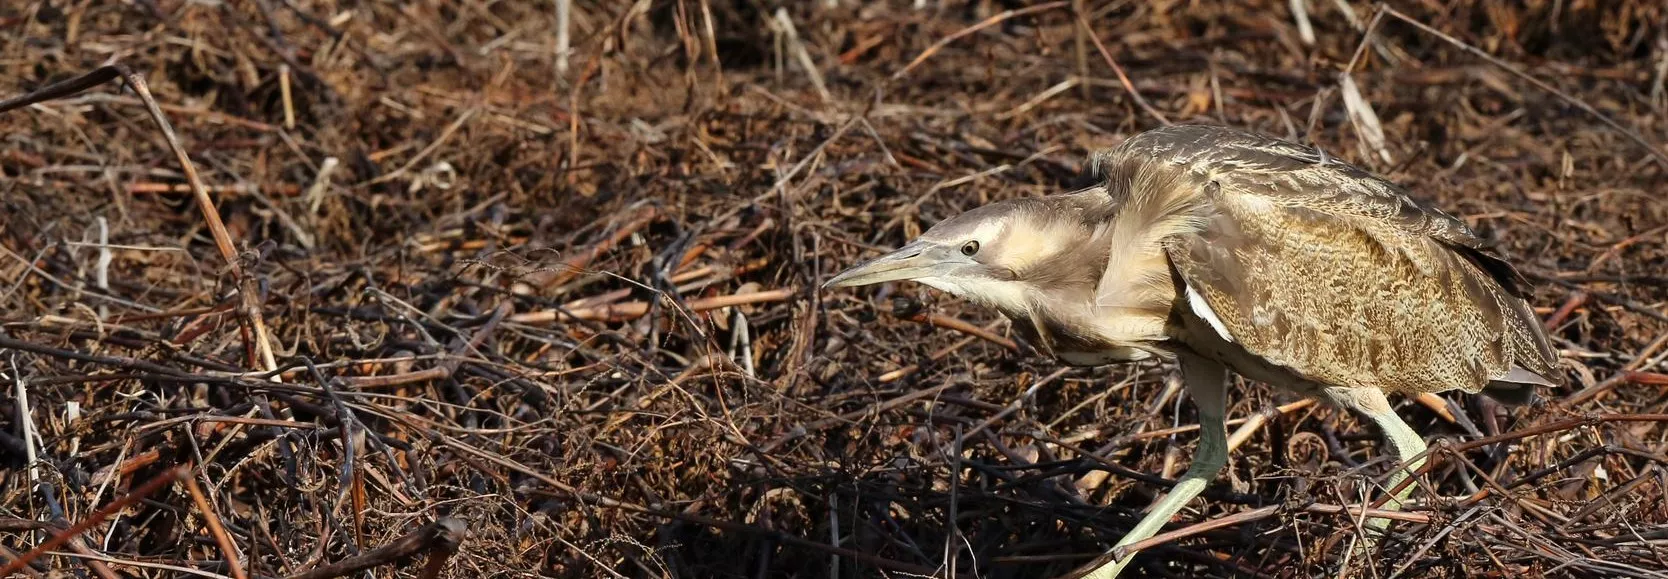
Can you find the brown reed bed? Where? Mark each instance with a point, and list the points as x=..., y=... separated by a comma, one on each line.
x=471, y=311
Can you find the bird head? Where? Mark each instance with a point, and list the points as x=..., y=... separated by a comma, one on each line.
x=982, y=255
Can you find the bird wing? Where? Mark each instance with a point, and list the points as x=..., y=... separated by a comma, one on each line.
x=1342, y=277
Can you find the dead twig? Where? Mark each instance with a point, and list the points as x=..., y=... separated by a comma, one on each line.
x=634, y=310
x=228, y=548
x=61, y=537
x=576, y=264
x=1632, y=135
x=1353, y=511
x=1122, y=78
x=1537, y=430
x=959, y=325
x=248, y=289
x=440, y=539
x=993, y=20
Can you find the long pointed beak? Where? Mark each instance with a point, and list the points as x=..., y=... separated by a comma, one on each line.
x=911, y=261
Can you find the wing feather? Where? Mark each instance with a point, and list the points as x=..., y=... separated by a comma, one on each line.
x=1340, y=275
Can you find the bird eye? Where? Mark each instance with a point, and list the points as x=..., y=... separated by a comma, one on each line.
x=970, y=248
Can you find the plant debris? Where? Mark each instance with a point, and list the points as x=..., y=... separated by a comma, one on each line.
x=479, y=294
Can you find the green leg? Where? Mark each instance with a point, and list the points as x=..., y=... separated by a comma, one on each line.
x=1407, y=443
x=1206, y=382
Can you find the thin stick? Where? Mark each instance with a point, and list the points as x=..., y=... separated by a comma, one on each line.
x=936, y=355
x=1282, y=409
x=222, y=238
x=1300, y=13
x=1575, y=301
x=1123, y=78
x=1080, y=41
x=102, y=269
x=1436, y=404
x=1656, y=153
x=791, y=34
x=782, y=182
x=712, y=44
x=1366, y=38
x=98, y=516
x=1249, y=428
x=634, y=310
x=576, y=264
x=413, y=377
x=1354, y=511
x=153, y=188
x=284, y=91
x=1550, y=427
x=563, y=42
x=217, y=228
x=228, y=549
x=983, y=24
x=445, y=135
x=444, y=535
x=247, y=288
x=63, y=89
x=95, y=558
x=31, y=437
x=962, y=326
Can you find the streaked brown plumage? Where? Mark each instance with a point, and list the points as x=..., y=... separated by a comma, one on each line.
x=1224, y=249
x=1307, y=262
x=1338, y=274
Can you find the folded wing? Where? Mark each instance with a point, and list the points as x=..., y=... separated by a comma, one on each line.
x=1342, y=277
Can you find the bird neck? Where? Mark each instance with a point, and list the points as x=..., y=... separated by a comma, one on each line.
x=1064, y=315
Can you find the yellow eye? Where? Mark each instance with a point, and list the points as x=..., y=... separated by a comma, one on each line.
x=970, y=248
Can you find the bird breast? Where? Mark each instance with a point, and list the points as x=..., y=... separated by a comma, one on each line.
x=1079, y=333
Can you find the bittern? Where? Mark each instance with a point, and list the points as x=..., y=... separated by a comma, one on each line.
x=1223, y=249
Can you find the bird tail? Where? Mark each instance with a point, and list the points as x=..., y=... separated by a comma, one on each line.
x=1517, y=387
